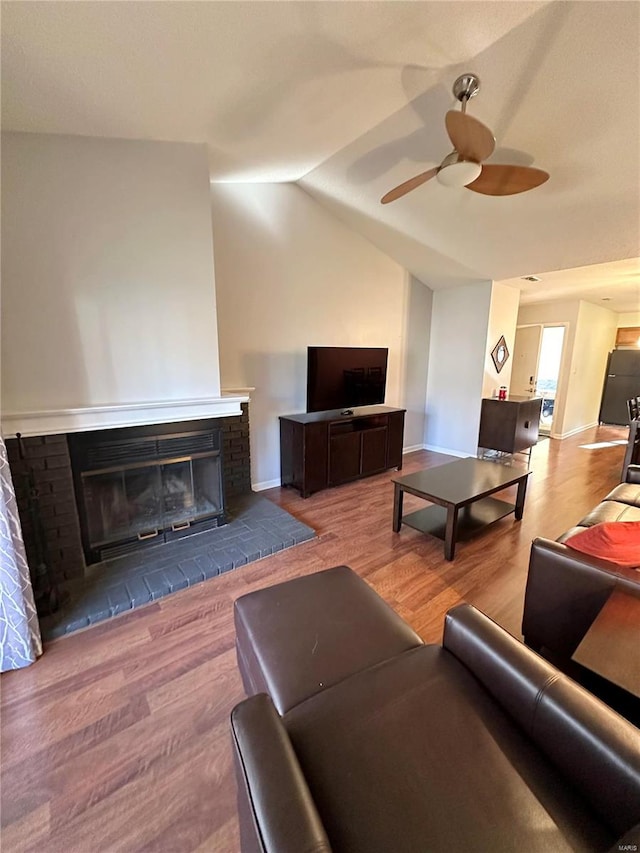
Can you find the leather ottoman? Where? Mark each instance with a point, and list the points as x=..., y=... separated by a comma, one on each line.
x=297, y=638
x=477, y=744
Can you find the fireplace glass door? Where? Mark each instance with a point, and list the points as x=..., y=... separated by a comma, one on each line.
x=143, y=500
x=149, y=496
x=122, y=504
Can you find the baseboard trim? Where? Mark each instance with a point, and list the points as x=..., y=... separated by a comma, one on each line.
x=266, y=484
x=573, y=431
x=413, y=448
x=447, y=451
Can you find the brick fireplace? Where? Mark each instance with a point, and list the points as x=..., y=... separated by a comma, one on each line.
x=53, y=513
x=111, y=323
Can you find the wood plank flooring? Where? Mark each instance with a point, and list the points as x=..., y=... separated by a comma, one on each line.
x=117, y=739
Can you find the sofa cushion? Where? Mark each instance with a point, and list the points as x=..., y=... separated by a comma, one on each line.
x=625, y=493
x=386, y=752
x=297, y=638
x=615, y=541
x=610, y=511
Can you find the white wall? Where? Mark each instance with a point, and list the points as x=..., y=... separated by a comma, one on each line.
x=503, y=318
x=595, y=338
x=108, y=292
x=290, y=275
x=457, y=353
x=414, y=356
x=589, y=337
x=630, y=318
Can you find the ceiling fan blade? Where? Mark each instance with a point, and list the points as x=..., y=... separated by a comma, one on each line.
x=496, y=179
x=407, y=186
x=471, y=139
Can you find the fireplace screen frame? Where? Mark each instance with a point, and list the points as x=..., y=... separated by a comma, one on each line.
x=120, y=476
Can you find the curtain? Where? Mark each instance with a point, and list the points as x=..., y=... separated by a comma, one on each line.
x=20, y=642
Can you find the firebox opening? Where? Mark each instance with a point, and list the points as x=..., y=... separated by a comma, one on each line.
x=141, y=486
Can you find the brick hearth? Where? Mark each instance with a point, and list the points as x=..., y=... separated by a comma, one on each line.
x=257, y=528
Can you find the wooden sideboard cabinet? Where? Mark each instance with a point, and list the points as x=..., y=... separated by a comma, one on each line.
x=321, y=449
x=509, y=425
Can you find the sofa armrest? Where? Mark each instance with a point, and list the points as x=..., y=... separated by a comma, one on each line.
x=630, y=841
x=632, y=474
x=595, y=748
x=276, y=811
x=566, y=590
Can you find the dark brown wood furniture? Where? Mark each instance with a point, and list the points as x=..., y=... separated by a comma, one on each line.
x=510, y=425
x=633, y=408
x=611, y=646
x=627, y=336
x=460, y=493
x=321, y=449
x=632, y=451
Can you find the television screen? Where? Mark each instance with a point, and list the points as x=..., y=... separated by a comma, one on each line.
x=344, y=377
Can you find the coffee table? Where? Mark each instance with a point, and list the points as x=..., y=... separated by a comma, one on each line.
x=460, y=491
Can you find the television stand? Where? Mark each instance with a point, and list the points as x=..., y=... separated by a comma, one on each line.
x=323, y=449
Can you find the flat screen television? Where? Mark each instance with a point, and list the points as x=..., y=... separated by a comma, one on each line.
x=344, y=377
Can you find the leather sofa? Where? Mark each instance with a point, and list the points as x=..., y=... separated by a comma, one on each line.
x=566, y=589
x=360, y=738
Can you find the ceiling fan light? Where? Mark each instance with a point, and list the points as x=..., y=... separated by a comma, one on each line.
x=459, y=174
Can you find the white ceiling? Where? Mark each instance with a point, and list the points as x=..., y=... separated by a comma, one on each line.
x=615, y=286
x=349, y=99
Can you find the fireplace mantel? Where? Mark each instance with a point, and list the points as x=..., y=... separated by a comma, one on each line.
x=131, y=414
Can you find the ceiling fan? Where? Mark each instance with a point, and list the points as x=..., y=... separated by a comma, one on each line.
x=473, y=142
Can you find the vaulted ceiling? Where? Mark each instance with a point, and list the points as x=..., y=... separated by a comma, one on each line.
x=349, y=99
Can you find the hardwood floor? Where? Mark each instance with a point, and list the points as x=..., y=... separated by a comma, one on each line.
x=117, y=739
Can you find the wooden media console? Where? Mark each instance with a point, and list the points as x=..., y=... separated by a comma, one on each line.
x=322, y=449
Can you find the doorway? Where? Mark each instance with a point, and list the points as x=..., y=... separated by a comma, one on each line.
x=537, y=357
x=548, y=373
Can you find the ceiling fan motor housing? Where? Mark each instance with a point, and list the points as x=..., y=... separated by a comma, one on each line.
x=457, y=172
x=466, y=86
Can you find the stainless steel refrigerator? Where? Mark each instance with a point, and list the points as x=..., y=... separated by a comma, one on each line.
x=621, y=382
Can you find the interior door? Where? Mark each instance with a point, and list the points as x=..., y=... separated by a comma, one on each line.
x=526, y=355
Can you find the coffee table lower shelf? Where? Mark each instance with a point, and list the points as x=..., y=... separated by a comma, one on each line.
x=471, y=518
